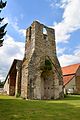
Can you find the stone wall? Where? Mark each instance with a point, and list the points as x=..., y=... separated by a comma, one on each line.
x=6, y=86
x=41, y=71
x=12, y=81
x=78, y=80
x=12, y=84
x=18, y=77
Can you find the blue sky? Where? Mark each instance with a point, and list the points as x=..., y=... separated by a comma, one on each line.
x=62, y=15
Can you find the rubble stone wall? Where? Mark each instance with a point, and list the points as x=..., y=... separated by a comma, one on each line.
x=41, y=71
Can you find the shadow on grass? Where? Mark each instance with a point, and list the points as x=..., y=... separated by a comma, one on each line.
x=16, y=109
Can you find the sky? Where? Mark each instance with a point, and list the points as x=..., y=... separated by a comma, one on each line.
x=62, y=15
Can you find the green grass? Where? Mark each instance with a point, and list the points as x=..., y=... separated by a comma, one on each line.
x=12, y=108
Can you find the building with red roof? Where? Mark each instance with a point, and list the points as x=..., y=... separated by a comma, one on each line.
x=12, y=84
x=71, y=78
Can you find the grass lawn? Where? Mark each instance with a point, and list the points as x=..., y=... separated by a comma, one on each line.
x=12, y=108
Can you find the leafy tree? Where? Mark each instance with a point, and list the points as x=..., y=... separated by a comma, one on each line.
x=2, y=28
x=1, y=84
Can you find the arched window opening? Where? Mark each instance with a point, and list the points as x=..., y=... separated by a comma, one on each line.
x=44, y=31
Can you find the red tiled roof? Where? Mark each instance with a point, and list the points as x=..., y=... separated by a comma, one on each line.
x=67, y=79
x=71, y=69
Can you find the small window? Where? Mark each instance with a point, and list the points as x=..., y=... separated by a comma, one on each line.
x=45, y=36
x=30, y=32
x=44, y=31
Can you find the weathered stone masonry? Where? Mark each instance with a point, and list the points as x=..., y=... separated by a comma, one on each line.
x=12, y=84
x=41, y=71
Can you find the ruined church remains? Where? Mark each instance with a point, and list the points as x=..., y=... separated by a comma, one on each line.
x=41, y=75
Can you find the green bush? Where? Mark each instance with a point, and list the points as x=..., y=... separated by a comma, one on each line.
x=47, y=65
x=18, y=95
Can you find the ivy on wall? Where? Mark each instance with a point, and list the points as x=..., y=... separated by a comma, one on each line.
x=47, y=65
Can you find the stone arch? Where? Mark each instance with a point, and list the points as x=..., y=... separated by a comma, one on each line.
x=46, y=64
x=47, y=85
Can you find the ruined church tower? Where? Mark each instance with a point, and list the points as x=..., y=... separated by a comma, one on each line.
x=41, y=71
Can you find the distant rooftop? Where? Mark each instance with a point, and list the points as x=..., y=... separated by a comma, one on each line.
x=71, y=69
x=67, y=79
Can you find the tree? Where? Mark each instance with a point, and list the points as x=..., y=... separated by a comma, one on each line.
x=2, y=28
x=1, y=84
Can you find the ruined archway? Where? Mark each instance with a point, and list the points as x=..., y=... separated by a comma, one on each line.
x=47, y=85
x=47, y=80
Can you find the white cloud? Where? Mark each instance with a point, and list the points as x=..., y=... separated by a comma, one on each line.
x=60, y=50
x=56, y=3
x=6, y=20
x=70, y=21
x=77, y=51
x=63, y=3
x=10, y=50
x=67, y=59
x=22, y=31
x=15, y=26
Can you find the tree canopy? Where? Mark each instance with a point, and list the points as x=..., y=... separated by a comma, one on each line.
x=2, y=28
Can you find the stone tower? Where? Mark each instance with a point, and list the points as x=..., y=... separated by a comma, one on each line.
x=41, y=71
